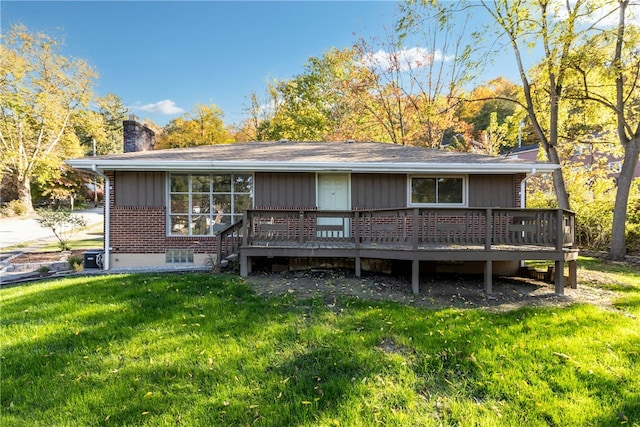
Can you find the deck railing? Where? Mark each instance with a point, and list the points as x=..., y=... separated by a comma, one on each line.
x=412, y=227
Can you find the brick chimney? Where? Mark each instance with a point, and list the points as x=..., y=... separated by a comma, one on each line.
x=137, y=137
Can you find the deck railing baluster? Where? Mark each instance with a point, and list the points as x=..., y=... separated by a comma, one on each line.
x=411, y=227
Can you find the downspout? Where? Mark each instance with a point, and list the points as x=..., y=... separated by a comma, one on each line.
x=107, y=215
x=523, y=188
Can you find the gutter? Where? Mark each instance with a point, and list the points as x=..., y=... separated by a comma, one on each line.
x=107, y=215
x=269, y=166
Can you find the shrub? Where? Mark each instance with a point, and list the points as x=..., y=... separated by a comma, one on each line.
x=76, y=262
x=14, y=208
x=62, y=223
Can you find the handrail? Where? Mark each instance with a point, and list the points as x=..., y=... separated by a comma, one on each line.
x=232, y=239
x=411, y=227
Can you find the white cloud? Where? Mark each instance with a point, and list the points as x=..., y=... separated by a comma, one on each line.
x=605, y=15
x=166, y=106
x=405, y=59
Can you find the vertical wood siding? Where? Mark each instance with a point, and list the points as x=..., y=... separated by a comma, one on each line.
x=496, y=191
x=370, y=191
x=139, y=189
x=285, y=190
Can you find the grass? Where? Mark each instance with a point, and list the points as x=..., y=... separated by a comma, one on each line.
x=73, y=244
x=199, y=349
x=76, y=241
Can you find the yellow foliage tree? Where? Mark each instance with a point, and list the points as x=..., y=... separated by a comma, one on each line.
x=202, y=126
x=41, y=93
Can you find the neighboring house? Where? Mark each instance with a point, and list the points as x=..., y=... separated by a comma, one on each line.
x=584, y=155
x=423, y=210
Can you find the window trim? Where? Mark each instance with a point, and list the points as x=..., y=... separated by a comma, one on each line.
x=189, y=193
x=465, y=191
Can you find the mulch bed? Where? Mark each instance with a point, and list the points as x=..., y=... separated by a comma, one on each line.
x=41, y=257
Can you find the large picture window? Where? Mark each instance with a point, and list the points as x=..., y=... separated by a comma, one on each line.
x=438, y=190
x=202, y=204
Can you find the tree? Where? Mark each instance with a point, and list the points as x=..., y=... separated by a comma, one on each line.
x=41, y=93
x=490, y=111
x=202, y=126
x=412, y=93
x=309, y=106
x=608, y=69
x=527, y=23
x=62, y=223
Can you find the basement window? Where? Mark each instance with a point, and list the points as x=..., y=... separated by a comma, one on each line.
x=178, y=256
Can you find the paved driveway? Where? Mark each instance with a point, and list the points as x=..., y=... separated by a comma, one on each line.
x=14, y=231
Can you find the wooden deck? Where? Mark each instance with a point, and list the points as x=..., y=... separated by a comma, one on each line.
x=413, y=234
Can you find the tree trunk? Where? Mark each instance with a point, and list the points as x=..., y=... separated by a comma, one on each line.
x=24, y=193
x=618, y=247
x=561, y=190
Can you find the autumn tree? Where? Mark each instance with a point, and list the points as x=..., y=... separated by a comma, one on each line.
x=41, y=94
x=101, y=127
x=495, y=121
x=412, y=92
x=555, y=27
x=607, y=68
x=202, y=126
x=310, y=106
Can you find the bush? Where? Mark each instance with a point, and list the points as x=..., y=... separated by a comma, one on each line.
x=76, y=262
x=62, y=223
x=14, y=208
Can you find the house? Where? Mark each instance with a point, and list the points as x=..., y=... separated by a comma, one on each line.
x=424, y=210
x=586, y=155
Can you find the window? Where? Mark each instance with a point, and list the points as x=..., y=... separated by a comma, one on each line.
x=178, y=256
x=202, y=204
x=438, y=190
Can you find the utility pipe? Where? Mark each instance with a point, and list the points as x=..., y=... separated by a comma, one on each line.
x=523, y=188
x=107, y=215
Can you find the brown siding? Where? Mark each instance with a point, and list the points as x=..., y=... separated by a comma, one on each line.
x=139, y=189
x=370, y=191
x=492, y=191
x=285, y=190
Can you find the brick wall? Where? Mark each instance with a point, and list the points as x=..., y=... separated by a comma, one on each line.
x=142, y=229
x=137, y=137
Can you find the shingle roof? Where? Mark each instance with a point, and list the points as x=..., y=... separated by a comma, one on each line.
x=282, y=154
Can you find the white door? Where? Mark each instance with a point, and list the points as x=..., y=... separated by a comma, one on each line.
x=333, y=194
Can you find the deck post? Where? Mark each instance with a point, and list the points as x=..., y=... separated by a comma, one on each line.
x=356, y=227
x=245, y=265
x=559, y=277
x=248, y=227
x=415, y=276
x=358, y=267
x=301, y=220
x=573, y=274
x=488, y=229
x=560, y=229
x=416, y=229
x=488, y=276
x=218, y=249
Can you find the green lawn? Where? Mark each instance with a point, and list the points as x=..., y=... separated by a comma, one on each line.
x=198, y=349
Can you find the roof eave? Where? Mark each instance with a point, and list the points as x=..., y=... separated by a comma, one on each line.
x=412, y=167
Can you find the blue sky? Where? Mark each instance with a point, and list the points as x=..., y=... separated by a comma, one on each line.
x=162, y=58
